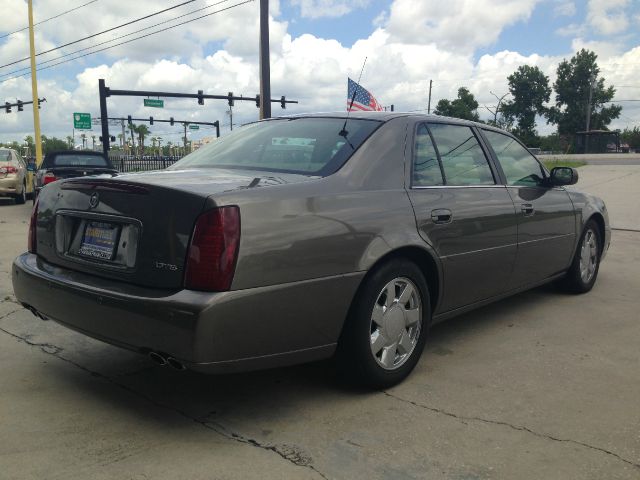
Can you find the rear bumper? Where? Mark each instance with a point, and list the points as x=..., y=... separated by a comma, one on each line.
x=9, y=185
x=212, y=332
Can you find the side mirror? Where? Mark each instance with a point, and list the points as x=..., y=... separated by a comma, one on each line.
x=31, y=167
x=563, y=176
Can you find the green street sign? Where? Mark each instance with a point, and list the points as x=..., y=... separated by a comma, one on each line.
x=82, y=121
x=194, y=127
x=153, y=102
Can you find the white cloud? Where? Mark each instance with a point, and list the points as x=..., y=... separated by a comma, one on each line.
x=457, y=25
x=608, y=16
x=328, y=8
x=306, y=68
x=564, y=8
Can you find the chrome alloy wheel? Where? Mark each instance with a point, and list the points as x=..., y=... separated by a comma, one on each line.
x=588, y=256
x=395, y=323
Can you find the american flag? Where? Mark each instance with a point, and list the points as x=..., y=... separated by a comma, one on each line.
x=363, y=100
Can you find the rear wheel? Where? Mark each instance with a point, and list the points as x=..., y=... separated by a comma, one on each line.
x=22, y=197
x=583, y=272
x=386, y=330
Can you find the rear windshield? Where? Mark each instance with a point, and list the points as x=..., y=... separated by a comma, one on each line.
x=76, y=160
x=5, y=155
x=310, y=146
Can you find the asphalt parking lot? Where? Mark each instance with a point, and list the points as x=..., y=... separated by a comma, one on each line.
x=541, y=385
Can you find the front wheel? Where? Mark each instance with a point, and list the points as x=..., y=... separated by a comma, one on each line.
x=583, y=272
x=385, y=333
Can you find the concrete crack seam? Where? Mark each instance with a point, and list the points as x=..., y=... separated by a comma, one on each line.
x=288, y=453
x=520, y=428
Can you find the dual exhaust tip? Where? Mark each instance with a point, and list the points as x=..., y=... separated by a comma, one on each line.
x=162, y=360
x=156, y=357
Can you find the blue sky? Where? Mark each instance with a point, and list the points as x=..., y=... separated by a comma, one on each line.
x=315, y=45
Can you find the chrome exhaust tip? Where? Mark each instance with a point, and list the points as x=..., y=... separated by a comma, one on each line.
x=157, y=358
x=173, y=363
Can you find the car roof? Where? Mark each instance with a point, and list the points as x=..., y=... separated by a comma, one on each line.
x=75, y=152
x=386, y=116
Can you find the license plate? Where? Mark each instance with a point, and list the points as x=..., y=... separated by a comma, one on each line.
x=99, y=240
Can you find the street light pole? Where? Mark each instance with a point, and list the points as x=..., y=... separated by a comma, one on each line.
x=34, y=88
x=265, y=69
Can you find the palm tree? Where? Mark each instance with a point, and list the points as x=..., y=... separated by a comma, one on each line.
x=142, y=131
x=132, y=127
x=70, y=141
x=120, y=139
x=84, y=139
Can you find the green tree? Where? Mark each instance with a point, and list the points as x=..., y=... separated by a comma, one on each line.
x=465, y=106
x=631, y=136
x=142, y=132
x=529, y=89
x=53, y=144
x=575, y=78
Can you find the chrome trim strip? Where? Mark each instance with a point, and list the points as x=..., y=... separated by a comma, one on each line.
x=458, y=186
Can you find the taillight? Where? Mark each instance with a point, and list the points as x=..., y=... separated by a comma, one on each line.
x=31, y=241
x=213, y=251
x=8, y=170
x=48, y=178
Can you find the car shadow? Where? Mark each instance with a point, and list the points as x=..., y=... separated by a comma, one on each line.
x=223, y=399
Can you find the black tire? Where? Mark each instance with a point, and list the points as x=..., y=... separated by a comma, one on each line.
x=574, y=281
x=21, y=198
x=355, y=359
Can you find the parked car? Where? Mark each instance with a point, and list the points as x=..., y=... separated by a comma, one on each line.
x=244, y=256
x=13, y=176
x=71, y=163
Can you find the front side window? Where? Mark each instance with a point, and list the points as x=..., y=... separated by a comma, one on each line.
x=426, y=167
x=463, y=161
x=310, y=146
x=519, y=166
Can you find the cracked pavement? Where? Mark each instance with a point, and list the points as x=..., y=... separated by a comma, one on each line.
x=541, y=385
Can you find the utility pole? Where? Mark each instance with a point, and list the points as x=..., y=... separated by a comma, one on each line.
x=592, y=80
x=265, y=70
x=230, y=113
x=429, y=105
x=185, y=137
x=34, y=87
x=124, y=135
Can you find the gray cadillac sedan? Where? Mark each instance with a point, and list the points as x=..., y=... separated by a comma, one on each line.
x=303, y=237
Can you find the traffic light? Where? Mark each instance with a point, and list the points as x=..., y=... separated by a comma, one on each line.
x=258, y=101
x=200, y=98
x=150, y=120
x=129, y=119
x=171, y=121
x=283, y=102
x=7, y=107
x=20, y=106
x=230, y=99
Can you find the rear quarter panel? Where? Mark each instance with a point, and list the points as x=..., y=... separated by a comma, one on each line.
x=331, y=226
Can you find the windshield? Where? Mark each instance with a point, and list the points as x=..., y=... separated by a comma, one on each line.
x=5, y=155
x=310, y=146
x=77, y=160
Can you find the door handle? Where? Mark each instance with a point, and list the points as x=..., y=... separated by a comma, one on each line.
x=527, y=209
x=441, y=215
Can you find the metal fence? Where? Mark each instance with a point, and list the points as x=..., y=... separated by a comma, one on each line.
x=130, y=163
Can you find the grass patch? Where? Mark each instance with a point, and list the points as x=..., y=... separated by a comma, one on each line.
x=563, y=163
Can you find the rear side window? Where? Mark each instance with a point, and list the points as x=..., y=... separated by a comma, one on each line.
x=519, y=166
x=77, y=160
x=463, y=160
x=426, y=167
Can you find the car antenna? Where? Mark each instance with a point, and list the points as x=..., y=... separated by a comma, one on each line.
x=343, y=132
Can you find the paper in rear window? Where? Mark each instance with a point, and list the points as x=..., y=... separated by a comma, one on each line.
x=79, y=160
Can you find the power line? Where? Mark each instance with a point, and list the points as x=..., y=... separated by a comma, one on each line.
x=100, y=33
x=50, y=18
x=114, y=39
x=133, y=39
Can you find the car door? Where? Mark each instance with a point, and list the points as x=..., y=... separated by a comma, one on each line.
x=546, y=217
x=463, y=212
